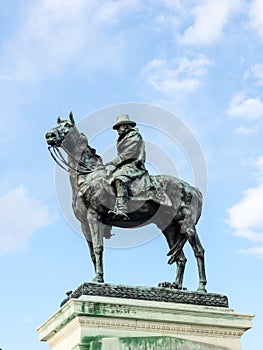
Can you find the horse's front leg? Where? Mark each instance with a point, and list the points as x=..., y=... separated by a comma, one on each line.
x=99, y=278
x=97, y=244
x=86, y=231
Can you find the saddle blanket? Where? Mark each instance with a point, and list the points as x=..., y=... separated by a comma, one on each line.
x=156, y=193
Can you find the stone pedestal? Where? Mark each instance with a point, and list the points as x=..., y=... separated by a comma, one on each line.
x=116, y=323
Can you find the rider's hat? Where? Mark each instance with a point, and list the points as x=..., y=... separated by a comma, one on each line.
x=123, y=119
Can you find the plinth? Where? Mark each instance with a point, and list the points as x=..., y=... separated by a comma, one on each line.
x=132, y=319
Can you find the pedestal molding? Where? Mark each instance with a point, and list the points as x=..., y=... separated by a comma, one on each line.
x=161, y=327
x=79, y=321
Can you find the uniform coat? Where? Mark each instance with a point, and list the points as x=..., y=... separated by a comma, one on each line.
x=130, y=162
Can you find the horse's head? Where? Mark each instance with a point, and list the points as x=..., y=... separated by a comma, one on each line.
x=61, y=131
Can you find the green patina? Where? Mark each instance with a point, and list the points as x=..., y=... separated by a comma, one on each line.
x=95, y=345
x=97, y=309
x=161, y=343
x=83, y=308
x=92, y=343
x=108, y=185
x=88, y=340
x=149, y=343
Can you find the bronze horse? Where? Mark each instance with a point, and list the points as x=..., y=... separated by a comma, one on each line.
x=93, y=198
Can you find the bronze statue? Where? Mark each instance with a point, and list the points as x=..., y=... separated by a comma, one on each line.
x=170, y=203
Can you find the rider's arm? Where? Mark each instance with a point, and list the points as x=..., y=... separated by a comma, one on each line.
x=130, y=147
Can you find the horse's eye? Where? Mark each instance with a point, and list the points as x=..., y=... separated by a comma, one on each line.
x=68, y=125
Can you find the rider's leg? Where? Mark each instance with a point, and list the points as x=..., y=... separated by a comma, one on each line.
x=120, y=209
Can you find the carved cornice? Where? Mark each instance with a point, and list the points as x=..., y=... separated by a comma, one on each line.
x=161, y=327
x=157, y=327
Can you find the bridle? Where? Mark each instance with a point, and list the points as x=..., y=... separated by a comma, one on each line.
x=61, y=161
x=58, y=157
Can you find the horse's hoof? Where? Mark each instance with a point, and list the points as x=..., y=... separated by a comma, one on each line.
x=95, y=280
x=202, y=290
x=178, y=287
x=170, y=285
x=98, y=279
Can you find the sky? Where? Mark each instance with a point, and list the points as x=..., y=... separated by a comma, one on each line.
x=191, y=74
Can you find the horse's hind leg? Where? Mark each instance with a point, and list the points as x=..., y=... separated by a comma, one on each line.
x=180, y=259
x=176, y=241
x=199, y=252
x=180, y=262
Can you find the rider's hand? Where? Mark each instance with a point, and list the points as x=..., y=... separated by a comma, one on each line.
x=109, y=169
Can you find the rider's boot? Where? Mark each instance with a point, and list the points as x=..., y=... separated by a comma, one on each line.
x=119, y=213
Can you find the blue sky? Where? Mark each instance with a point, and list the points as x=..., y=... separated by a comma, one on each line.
x=199, y=60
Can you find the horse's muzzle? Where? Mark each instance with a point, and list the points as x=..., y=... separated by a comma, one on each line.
x=51, y=138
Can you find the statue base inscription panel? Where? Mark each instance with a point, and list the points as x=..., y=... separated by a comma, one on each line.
x=92, y=322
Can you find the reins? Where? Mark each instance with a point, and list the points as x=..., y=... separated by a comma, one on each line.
x=61, y=161
x=51, y=148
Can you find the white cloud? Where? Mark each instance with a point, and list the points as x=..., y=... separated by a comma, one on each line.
x=175, y=4
x=256, y=72
x=55, y=33
x=256, y=16
x=256, y=251
x=21, y=216
x=210, y=18
x=246, y=217
x=46, y=41
x=249, y=130
x=113, y=11
x=248, y=213
x=182, y=75
x=246, y=108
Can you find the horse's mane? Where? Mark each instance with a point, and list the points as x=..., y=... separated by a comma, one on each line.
x=82, y=141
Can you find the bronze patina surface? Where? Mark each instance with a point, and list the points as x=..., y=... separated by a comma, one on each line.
x=123, y=194
x=164, y=294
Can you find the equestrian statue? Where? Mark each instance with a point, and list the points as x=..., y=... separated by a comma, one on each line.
x=121, y=193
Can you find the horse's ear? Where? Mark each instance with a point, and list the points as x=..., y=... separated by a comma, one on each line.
x=58, y=120
x=71, y=118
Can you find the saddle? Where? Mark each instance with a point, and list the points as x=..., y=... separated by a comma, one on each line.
x=154, y=192
x=152, y=188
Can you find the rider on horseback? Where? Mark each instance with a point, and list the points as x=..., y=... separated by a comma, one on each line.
x=127, y=167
